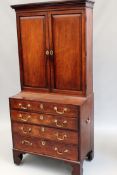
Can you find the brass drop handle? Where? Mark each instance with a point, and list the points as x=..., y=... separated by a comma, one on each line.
x=60, y=153
x=23, y=107
x=88, y=121
x=24, y=118
x=62, y=125
x=60, y=112
x=47, y=52
x=56, y=121
x=26, y=132
x=63, y=137
x=51, y=52
x=25, y=142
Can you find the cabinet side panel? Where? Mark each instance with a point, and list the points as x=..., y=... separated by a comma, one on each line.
x=89, y=47
x=33, y=42
x=87, y=127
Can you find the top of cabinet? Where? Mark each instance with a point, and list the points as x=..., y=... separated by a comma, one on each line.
x=88, y=3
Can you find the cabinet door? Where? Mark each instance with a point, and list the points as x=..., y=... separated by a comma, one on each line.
x=33, y=43
x=67, y=43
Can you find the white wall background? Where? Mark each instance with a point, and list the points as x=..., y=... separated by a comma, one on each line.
x=105, y=60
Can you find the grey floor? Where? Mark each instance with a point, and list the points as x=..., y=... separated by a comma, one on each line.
x=105, y=162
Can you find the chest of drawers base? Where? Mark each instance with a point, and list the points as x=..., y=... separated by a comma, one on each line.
x=50, y=128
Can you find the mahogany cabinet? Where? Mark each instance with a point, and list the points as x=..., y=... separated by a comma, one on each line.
x=53, y=114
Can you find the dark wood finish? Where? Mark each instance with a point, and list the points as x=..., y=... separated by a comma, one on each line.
x=44, y=107
x=89, y=45
x=33, y=41
x=67, y=32
x=65, y=28
x=83, y=138
x=17, y=156
x=54, y=4
x=90, y=155
x=53, y=115
x=64, y=122
x=33, y=38
x=77, y=169
x=42, y=146
x=86, y=128
x=61, y=136
x=49, y=98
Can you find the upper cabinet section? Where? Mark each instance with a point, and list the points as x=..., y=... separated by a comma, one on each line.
x=55, y=47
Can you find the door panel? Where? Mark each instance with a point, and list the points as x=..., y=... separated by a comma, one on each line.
x=67, y=46
x=34, y=43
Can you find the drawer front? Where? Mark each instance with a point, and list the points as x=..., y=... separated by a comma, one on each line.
x=46, y=120
x=43, y=107
x=44, y=147
x=61, y=136
x=60, y=109
x=26, y=105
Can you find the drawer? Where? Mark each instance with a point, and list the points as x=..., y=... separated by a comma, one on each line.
x=26, y=105
x=45, y=119
x=58, y=135
x=44, y=147
x=61, y=109
x=50, y=108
